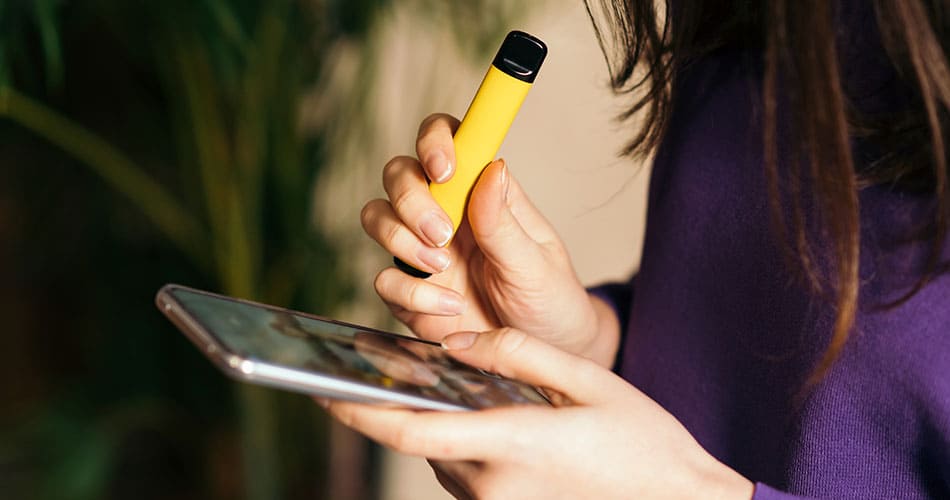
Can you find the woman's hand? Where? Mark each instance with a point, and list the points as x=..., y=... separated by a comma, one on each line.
x=505, y=267
x=609, y=441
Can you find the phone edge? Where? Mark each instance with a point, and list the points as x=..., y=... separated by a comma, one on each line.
x=248, y=370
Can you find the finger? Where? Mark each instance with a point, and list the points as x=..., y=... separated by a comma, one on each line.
x=419, y=323
x=437, y=435
x=498, y=233
x=516, y=355
x=419, y=296
x=408, y=192
x=381, y=223
x=435, y=148
x=402, y=315
x=531, y=219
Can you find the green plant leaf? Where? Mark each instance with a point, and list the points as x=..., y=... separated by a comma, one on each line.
x=47, y=24
x=112, y=166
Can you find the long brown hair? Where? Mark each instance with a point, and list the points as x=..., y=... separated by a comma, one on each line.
x=647, y=43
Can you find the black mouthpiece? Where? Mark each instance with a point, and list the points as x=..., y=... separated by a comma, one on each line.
x=520, y=56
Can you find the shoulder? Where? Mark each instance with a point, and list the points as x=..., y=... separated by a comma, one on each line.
x=878, y=425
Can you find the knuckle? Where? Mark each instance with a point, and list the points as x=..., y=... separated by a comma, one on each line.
x=389, y=169
x=391, y=235
x=381, y=284
x=404, y=439
x=413, y=292
x=509, y=341
x=398, y=439
x=388, y=285
x=394, y=168
x=370, y=212
x=437, y=126
x=428, y=121
x=403, y=199
x=506, y=343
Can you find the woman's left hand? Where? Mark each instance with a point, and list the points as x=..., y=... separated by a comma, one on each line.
x=608, y=440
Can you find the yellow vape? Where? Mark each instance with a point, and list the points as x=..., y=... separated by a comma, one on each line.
x=486, y=123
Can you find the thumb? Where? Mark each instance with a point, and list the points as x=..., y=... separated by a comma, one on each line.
x=497, y=231
x=516, y=355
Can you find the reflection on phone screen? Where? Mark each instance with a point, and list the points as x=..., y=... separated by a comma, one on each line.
x=410, y=366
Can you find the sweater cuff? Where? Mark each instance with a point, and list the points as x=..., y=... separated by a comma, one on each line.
x=619, y=296
x=766, y=492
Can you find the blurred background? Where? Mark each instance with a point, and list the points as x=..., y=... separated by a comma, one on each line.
x=229, y=145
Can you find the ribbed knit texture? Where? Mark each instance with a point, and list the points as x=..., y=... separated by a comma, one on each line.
x=718, y=332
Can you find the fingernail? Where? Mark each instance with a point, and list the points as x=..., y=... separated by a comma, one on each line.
x=439, y=165
x=436, y=229
x=324, y=402
x=505, y=183
x=451, y=303
x=436, y=258
x=459, y=341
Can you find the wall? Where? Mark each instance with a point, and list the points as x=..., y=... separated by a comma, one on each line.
x=562, y=148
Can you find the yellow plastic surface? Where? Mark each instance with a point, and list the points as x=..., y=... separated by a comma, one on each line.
x=479, y=137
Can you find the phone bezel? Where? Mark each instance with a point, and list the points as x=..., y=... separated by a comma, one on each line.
x=255, y=371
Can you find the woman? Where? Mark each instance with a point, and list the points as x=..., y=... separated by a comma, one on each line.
x=788, y=333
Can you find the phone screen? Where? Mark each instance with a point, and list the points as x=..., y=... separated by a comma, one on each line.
x=347, y=352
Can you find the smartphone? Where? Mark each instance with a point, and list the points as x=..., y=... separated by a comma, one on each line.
x=300, y=352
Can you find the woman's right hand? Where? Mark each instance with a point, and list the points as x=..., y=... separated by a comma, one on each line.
x=506, y=266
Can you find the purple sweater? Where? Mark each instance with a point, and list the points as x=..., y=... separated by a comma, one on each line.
x=719, y=334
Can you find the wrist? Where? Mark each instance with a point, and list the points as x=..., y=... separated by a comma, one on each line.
x=722, y=482
x=601, y=339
